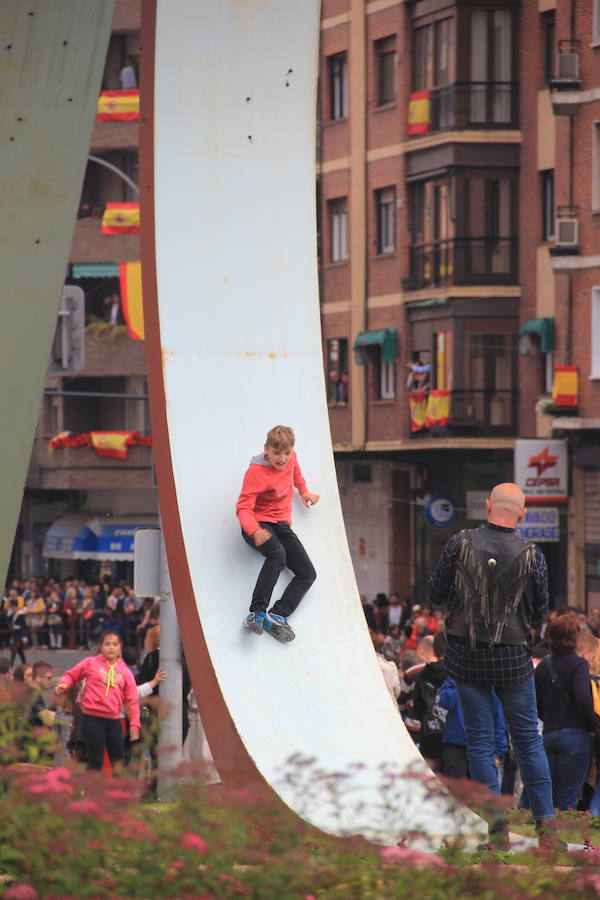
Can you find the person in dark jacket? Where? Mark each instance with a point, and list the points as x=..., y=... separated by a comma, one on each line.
x=426, y=708
x=566, y=707
x=494, y=586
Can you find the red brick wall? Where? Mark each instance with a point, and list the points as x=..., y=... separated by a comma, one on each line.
x=127, y=16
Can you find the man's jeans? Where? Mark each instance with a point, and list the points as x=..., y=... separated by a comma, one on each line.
x=520, y=710
x=283, y=549
x=568, y=751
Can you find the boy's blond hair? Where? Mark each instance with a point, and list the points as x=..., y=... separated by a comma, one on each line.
x=281, y=437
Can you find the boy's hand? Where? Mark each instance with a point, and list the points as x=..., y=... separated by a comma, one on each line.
x=60, y=688
x=309, y=499
x=134, y=734
x=260, y=536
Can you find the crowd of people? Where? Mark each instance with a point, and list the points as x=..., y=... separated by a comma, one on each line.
x=44, y=612
x=410, y=645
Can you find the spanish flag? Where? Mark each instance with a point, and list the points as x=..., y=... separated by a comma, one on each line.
x=438, y=408
x=119, y=106
x=130, y=275
x=121, y=218
x=565, y=386
x=111, y=443
x=419, y=120
x=417, y=401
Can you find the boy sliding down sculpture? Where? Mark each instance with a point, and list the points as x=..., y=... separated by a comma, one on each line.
x=264, y=509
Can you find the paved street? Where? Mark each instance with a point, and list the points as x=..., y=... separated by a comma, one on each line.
x=60, y=659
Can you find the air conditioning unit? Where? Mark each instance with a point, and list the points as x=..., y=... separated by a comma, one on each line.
x=568, y=67
x=567, y=232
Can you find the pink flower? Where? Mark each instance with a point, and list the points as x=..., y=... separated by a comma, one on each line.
x=120, y=794
x=177, y=864
x=589, y=881
x=20, y=892
x=83, y=807
x=191, y=841
x=54, y=781
x=408, y=857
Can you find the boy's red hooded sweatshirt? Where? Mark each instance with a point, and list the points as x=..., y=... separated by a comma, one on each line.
x=267, y=492
x=108, y=688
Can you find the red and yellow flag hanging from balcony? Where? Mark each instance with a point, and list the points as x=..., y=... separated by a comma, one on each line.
x=119, y=106
x=110, y=443
x=121, y=218
x=417, y=401
x=566, y=385
x=130, y=275
x=419, y=112
x=438, y=408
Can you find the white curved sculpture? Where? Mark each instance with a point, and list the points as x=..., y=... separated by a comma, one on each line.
x=233, y=335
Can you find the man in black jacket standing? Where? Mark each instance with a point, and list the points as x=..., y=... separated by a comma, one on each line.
x=494, y=586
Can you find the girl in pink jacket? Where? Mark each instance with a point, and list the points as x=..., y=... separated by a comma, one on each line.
x=109, y=686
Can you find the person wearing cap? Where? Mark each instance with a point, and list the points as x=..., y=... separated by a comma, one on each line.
x=494, y=585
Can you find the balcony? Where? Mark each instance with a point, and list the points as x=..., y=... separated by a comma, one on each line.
x=462, y=261
x=466, y=104
x=478, y=413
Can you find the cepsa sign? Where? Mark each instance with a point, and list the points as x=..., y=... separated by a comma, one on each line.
x=541, y=470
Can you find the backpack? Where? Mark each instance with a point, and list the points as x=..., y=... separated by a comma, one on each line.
x=434, y=718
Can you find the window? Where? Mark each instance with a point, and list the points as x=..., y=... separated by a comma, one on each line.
x=433, y=55
x=338, y=86
x=595, y=367
x=385, y=201
x=388, y=381
x=423, y=58
x=596, y=166
x=491, y=226
x=381, y=375
x=337, y=371
x=361, y=472
x=491, y=64
x=385, y=57
x=547, y=195
x=596, y=23
x=549, y=44
x=338, y=217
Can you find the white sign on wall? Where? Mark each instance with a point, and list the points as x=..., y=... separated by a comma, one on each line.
x=540, y=524
x=541, y=470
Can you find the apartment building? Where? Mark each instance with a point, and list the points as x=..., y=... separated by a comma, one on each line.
x=560, y=262
x=80, y=508
x=418, y=187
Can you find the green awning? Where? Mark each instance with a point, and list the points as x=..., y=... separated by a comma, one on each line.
x=386, y=338
x=432, y=301
x=544, y=328
x=94, y=270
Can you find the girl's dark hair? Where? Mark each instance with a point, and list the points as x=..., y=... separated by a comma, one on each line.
x=562, y=634
x=105, y=634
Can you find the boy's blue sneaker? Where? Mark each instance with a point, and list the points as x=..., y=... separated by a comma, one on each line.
x=278, y=627
x=254, y=622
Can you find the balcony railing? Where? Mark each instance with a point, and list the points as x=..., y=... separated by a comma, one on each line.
x=475, y=104
x=478, y=413
x=462, y=261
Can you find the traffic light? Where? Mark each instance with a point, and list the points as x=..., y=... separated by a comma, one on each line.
x=68, y=346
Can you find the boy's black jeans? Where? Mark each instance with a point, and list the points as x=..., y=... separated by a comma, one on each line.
x=283, y=549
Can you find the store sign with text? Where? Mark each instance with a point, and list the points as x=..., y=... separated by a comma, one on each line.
x=540, y=524
x=541, y=470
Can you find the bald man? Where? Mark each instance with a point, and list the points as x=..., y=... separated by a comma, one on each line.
x=494, y=585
